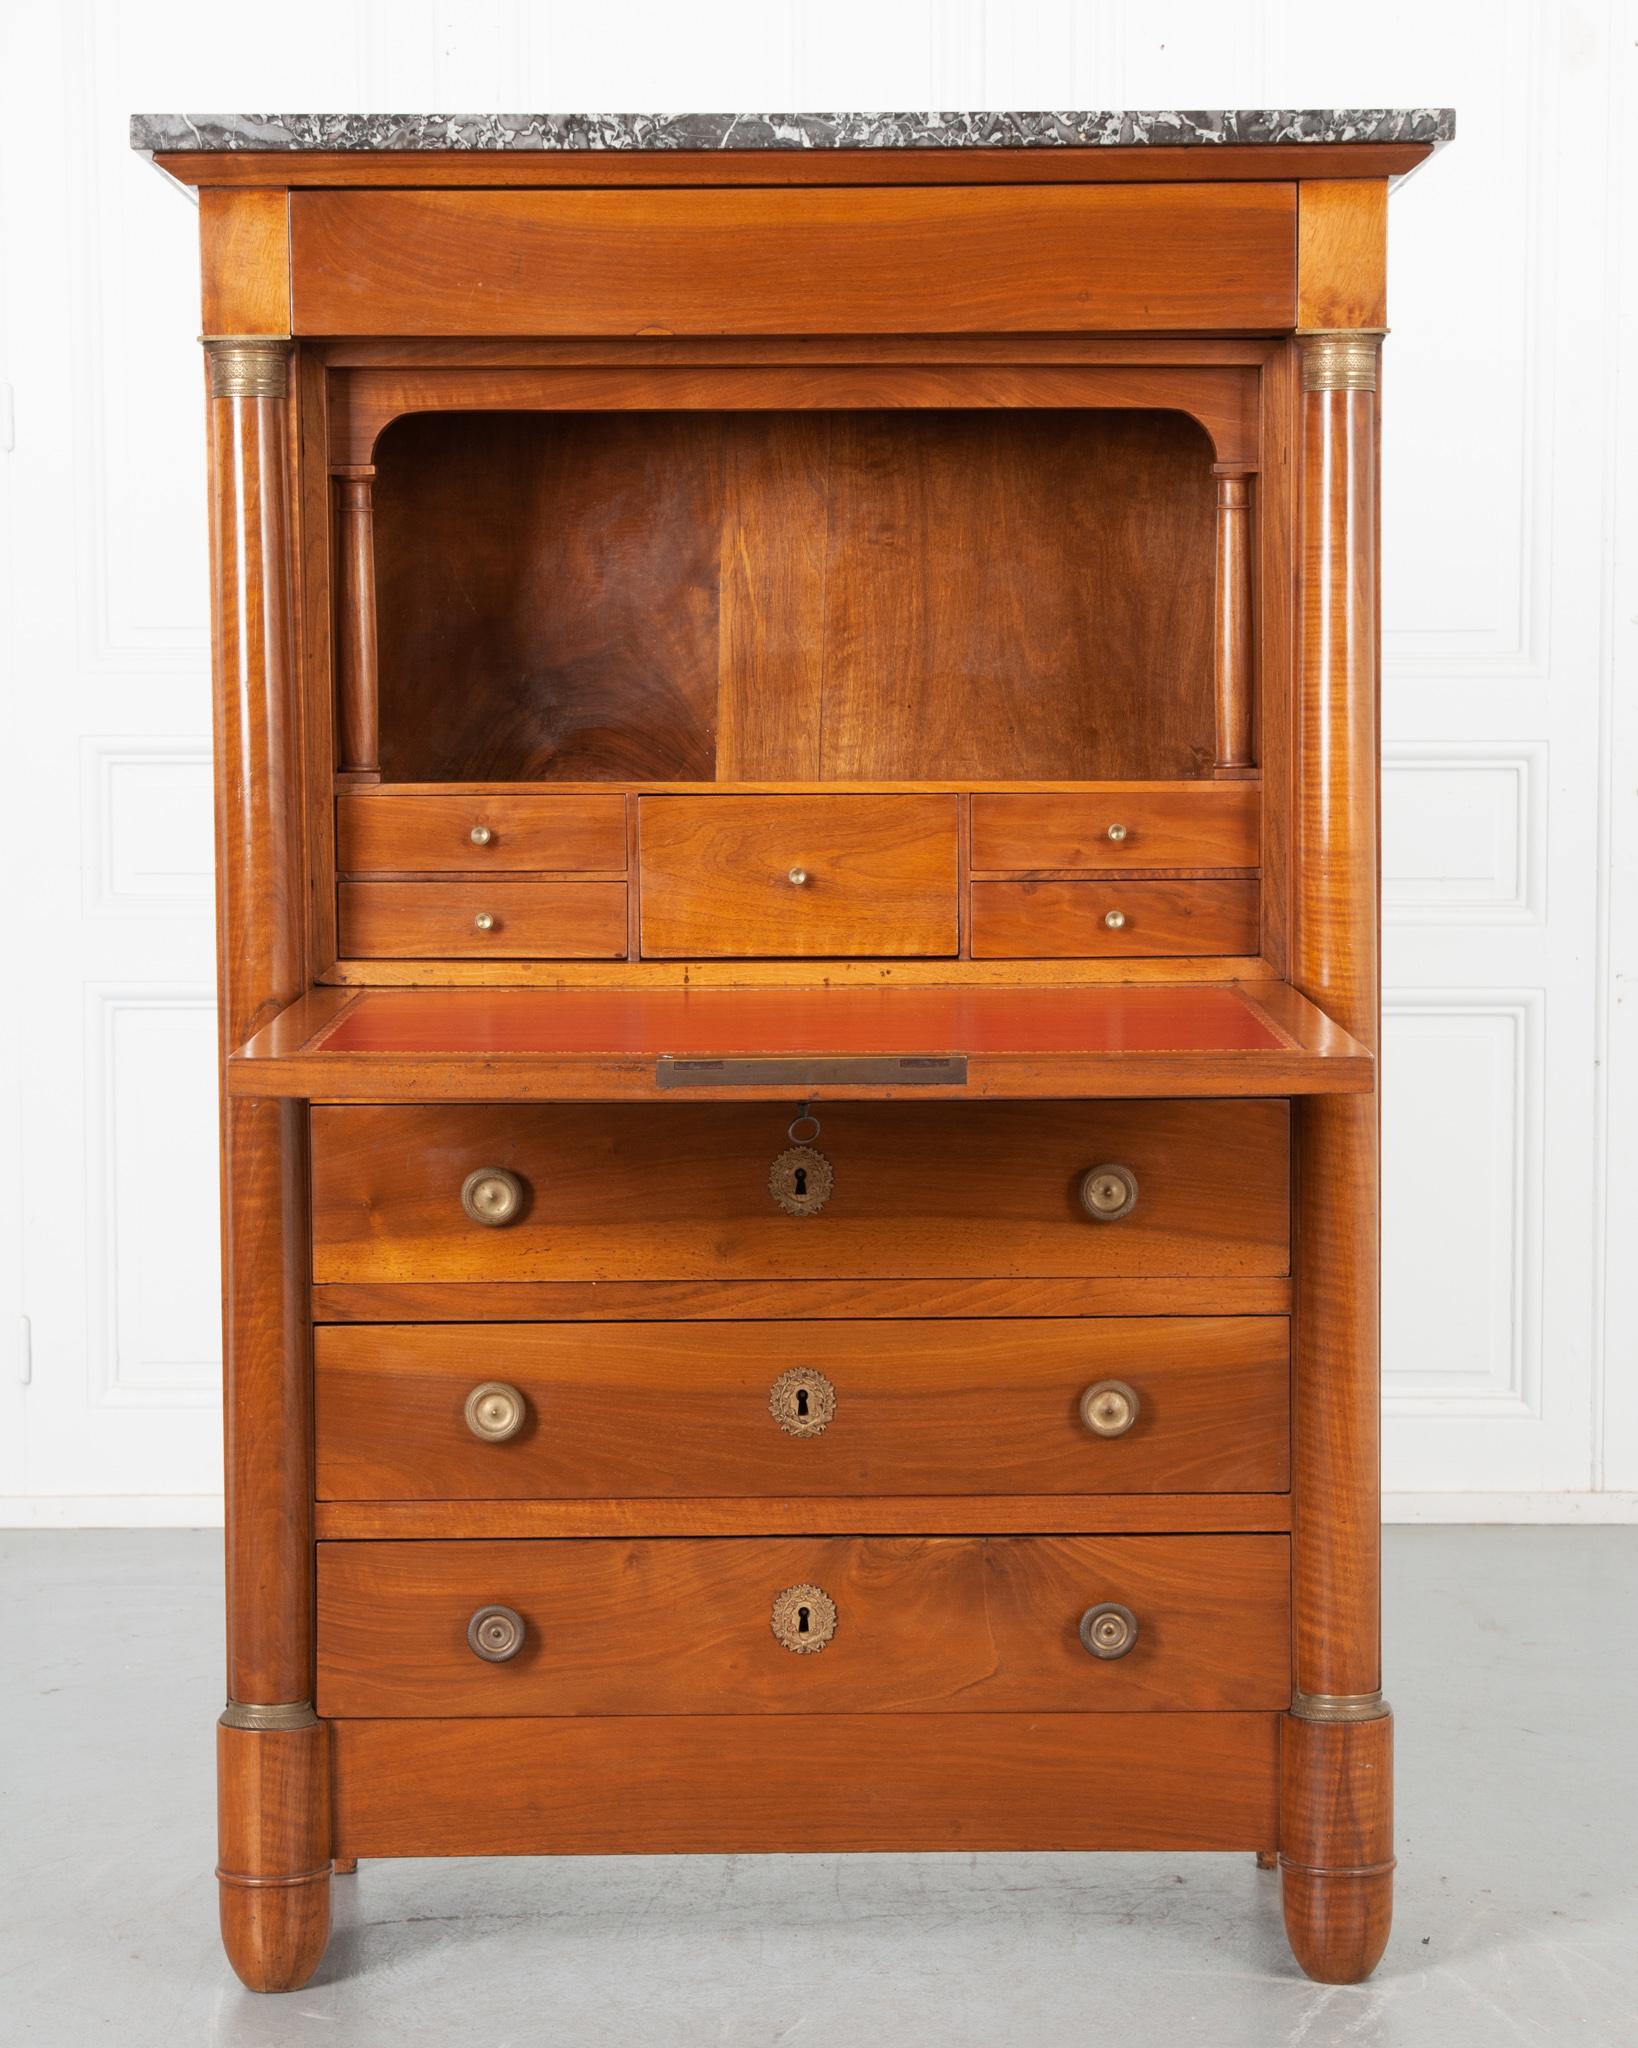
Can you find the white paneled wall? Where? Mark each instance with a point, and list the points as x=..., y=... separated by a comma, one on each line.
x=1511, y=643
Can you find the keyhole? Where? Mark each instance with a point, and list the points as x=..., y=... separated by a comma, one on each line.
x=801, y=1621
x=801, y=1400
x=801, y=1180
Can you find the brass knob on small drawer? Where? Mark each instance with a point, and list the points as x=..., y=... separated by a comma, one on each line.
x=798, y=878
x=1114, y=920
x=484, y=921
x=1108, y=1192
x=1110, y=1408
x=1117, y=833
x=492, y=1196
x=495, y=1411
x=1108, y=1630
x=804, y=1619
x=481, y=835
x=495, y=1634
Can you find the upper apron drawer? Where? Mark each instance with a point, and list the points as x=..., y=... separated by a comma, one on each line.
x=686, y=1191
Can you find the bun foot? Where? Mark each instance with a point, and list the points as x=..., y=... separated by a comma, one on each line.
x=1336, y=1844
x=273, y=1821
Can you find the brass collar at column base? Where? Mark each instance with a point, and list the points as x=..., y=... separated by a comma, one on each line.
x=1344, y=359
x=247, y=1714
x=248, y=365
x=1339, y=1706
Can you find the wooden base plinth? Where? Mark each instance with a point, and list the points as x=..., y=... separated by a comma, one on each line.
x=1336, y=1844
x=273, y=1819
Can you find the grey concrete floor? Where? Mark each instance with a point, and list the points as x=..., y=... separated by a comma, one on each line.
x=1513, y=1663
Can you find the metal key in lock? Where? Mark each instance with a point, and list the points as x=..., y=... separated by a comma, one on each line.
x=801, y=1178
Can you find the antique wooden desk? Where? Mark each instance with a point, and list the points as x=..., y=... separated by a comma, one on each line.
x=797, y=787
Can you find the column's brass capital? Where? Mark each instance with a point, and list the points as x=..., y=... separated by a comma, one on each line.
x=1339, y=1706
x=264, y=1719
x=1341, y=359
x=248, y=365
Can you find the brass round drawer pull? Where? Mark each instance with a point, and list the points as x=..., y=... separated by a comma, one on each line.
x=1117, y=833
x=1110, y=1408
x=1108, y=1630
x=495, y=1411
x=492, y=1196
x=481, y=835
x=1108, y=1192
x=802, y=1402
x=798, y=878
x=1114, y=920
x=804, y=1619
x=484, y=921
x=495, y=1634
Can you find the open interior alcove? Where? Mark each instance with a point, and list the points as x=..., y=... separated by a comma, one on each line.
x=670, y=596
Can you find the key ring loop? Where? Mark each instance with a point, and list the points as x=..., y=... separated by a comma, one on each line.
x=803, y=1116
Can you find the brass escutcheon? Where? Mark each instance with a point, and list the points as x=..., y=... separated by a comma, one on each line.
x=492, y=1196
x=495, y=1634
x=495, y=1411
x=1108, y=1192
x=804, y=1619
x=1108, y=1630
x=800, y=1180
x=802, y=1402
x=1110, y=1408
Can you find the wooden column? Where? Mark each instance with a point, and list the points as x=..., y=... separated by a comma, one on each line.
x=1235, y=640
x=1336, y=1817
x=357, y=714
x=272, y=1752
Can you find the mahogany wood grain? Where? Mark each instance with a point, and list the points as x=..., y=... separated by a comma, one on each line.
x=273, y=1811
x=1148, y=163
x=1336, y=1845
x=764, y=261
x=432, y=835
x=648, y=1409
x=244, y=260
x=719, y=1785
x=431, y=920
x=676, y=1626
x=1047, y=919
x=919, y=1514
x=717, y=875
x=1214, y=382
x=1192, y=824
x=650, y=976
x=1342, y=249
x=529, y=1301
x=609, y=596
x=680, y=1191
x=314, y=581
x=442, y=1045
x=357, y=658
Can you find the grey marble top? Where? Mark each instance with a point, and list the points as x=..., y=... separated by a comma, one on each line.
x=164, y=132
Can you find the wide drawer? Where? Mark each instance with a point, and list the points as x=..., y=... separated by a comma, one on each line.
x=483, y=920
x=804, y=1625
x=797, y=876
x=474, y=833
x=658, y=1410
x=1113, y=919
x=1190, y=825
x=684, y=1191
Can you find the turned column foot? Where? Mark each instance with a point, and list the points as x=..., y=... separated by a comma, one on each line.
x=273, y=1818
x=1336, y=1844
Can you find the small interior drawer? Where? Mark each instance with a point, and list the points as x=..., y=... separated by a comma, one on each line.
x=1188, y=825
x=482, y=920
x=797, y=876
x=461, y=833
x=1112, y=918
x=791, y=1625
x=579, y=1411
